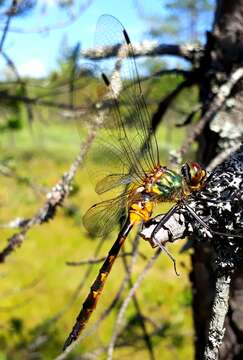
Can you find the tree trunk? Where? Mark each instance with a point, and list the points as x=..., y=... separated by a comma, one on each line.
x=223, y=54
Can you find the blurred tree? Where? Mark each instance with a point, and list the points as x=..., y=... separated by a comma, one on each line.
x=223, y=55
x=188, y=12
x=182, y=20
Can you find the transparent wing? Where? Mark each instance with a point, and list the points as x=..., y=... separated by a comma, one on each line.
x=101, y=218
x=131, y=128
x=112, y=181
x=65, y=97
x=61, y=97
x=128, y=132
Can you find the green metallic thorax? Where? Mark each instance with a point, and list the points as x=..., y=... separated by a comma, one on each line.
x=168, y=185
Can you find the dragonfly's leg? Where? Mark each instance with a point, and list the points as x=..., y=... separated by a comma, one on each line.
x=162, y=247
x=163, y=221
x=158, y=227
x=204, y=224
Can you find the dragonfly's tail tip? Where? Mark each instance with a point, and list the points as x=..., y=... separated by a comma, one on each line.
x=68, y=342
x=176, y=272
x=72, y=336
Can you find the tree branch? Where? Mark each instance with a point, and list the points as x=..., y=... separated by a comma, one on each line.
x=11, y=12
x=190, y=52
x=216, y=104
x=220, y=206
x=59, y=25
x=4, y=95
x=55, y=199
x=105, y=313
x=126, y=303
x=61, y=190
x=219, y=312
x=99, y=260
x=146, y=337
x=166, y=102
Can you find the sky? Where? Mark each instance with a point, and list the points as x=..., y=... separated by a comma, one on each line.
x=36, y=54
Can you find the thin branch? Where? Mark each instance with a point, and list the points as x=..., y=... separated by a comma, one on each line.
x=12, y=66
x=140, y=315
x=11, y=12
x=219, y=311
x=126, y=303
x=103, y=316
x=173, y=229
x=164, y=72
x=148, y=48
x=11, y=173
x=53, y=320
x=55, y=199
x=189, y=117
x=22, y=83
x=157, y=74
x=166, y=102
x=15, y=223
x=61, y=190
x=59, y=25
x=216, y=104
x=222, y=156
x=37, y=101
x=101, y=259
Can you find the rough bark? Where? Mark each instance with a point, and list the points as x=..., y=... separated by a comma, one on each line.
x=224, y=53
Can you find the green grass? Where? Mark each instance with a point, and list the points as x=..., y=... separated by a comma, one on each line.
x=36, y=283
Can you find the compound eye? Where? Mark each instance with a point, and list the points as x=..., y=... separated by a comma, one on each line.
x=195, y=171
x=195, y=167
x=193, y=174
x=186, y=173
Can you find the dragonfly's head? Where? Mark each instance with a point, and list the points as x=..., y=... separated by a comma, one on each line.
x=194, y=175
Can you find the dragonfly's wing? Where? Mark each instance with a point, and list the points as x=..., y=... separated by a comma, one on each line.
x=112, y=181
x=58, y=97
x=101, y=218
x=66, y=98
x=131, y=128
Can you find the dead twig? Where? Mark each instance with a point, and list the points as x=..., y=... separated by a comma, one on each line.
x=54, y=199
x=46, y=29
x=216, y=104
x=222, y=156
x=126, y=303
x=10, y=12
x=138, y=309
x=4, y=95
x=101, y=259
x=148, y=48
x=166, y=102
x=103, y=316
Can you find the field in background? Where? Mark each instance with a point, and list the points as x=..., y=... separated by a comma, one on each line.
x=36, y=282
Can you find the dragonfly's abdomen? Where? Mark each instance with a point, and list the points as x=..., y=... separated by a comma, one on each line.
x=140, y=210
x=97, y=287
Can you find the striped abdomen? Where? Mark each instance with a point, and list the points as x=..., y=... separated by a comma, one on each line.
x=96, y=289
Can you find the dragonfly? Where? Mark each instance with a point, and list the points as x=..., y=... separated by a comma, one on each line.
x=143, y=180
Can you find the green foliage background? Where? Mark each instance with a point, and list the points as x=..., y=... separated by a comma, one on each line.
x=36, y=282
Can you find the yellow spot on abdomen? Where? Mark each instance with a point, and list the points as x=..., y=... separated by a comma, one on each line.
x=103, y=276
x=95, y=293
x=111, y=258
